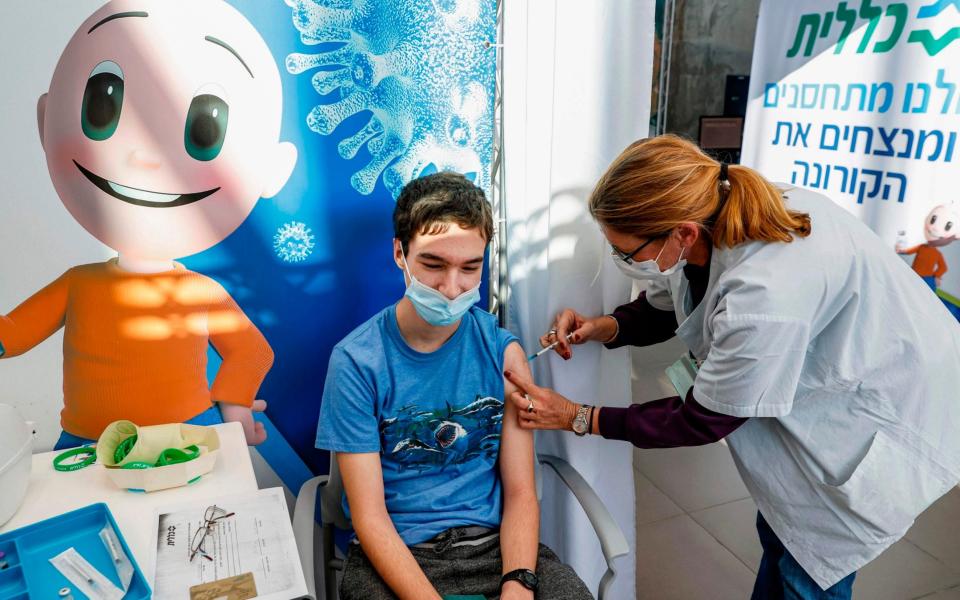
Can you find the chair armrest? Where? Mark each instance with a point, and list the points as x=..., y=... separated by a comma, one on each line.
x=304, y=529
x=613, y=543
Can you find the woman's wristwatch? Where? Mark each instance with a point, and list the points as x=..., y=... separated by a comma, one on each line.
x=526, y=577
x=581, y=422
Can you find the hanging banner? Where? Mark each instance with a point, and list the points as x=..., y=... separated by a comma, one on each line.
x=375, y=94
x=859, y=100
x=184, y=95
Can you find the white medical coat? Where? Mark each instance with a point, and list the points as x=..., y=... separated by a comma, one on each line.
x=850, y=369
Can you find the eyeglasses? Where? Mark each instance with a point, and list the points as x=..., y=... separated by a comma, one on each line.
x=627, y=257
x=211, y=517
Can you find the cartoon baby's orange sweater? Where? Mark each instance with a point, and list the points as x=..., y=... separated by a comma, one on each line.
x=929, y=261
x=135, y=345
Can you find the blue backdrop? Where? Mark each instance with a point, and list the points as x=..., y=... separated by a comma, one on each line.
x=376, y=92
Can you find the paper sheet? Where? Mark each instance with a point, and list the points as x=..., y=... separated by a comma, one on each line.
x=258, y=539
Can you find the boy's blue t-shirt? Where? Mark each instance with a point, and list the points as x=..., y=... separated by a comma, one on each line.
x=434, y=418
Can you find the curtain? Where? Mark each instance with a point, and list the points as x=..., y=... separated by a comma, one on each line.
x=577, y=84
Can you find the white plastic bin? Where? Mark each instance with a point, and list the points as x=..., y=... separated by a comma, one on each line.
x=16, y=449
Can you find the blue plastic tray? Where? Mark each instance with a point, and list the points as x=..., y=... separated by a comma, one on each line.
x=29, y=550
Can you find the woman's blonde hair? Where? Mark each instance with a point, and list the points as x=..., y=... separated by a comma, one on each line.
x=658, y=183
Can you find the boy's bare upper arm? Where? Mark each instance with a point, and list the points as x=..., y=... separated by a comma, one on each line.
x=363, y=481
x=516, y=444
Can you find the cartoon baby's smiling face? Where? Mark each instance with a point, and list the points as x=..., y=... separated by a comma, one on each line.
x=161, y=125
x=942, y=225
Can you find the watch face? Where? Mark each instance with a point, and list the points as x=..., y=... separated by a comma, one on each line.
x=529, y=580
x=580, y=426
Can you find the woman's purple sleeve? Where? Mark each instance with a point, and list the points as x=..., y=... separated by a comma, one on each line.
x=641, y=324
x=666, y=423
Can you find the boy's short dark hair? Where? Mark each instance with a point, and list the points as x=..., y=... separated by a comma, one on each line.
x=429, y=204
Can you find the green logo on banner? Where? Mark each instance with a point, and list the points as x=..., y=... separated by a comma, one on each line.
x=815, y=25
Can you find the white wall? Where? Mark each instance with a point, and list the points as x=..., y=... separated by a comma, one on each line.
x=39, y=239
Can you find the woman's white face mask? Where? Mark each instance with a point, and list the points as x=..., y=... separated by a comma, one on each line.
x=650, y=269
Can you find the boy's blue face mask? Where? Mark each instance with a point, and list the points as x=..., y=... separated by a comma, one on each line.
x=435, y=308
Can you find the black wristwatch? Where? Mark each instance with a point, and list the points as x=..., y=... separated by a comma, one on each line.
x=526, y=577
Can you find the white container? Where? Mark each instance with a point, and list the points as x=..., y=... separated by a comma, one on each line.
x=16, y=449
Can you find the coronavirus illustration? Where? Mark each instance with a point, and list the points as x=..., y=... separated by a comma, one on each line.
x=293, y=242
x=422, y=69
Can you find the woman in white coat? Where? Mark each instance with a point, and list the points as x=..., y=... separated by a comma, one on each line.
x=822, y=358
